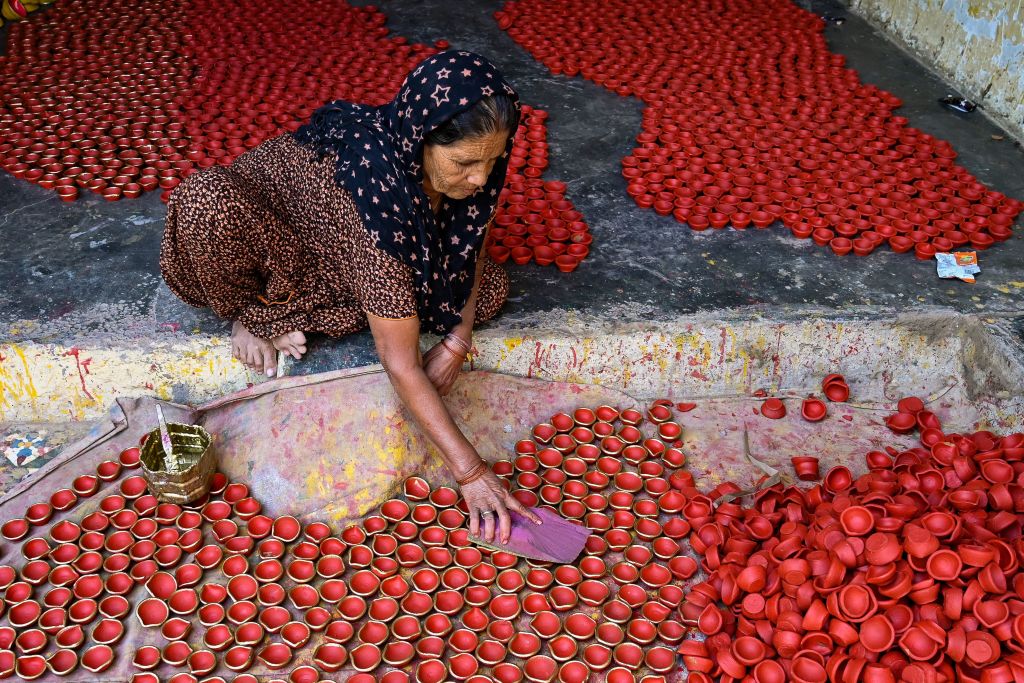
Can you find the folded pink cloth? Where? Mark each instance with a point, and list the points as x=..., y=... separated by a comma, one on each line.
x=556, y=540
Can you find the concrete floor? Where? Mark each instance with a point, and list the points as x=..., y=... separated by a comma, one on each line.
x=87, y=271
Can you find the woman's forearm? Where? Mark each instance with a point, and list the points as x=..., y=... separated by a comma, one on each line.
x=464, y=330
x=419, y=395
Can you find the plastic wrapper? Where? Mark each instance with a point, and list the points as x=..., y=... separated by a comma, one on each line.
x=959, y=265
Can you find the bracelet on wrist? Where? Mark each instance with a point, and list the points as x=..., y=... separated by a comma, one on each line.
x=459, y=341
x=455, y=352
x=474, y=473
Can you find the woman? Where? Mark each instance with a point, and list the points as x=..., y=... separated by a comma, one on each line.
x=366, y=216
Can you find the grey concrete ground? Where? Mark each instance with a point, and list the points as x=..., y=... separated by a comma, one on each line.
x=89, y=269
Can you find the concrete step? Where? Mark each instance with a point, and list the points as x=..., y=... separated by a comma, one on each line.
x=974, y=364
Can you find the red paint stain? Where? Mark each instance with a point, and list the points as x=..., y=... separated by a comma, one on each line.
x=173, y=326
x=83, y=368
x=538, y=359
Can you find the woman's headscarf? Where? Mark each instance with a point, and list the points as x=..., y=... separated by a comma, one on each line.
x=380, y=154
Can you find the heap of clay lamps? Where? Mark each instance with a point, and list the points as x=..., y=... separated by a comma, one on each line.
x=767, y=127
x=197, y=86
x=909, y=572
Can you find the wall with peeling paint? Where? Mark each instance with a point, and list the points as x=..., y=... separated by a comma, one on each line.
x=977, y=44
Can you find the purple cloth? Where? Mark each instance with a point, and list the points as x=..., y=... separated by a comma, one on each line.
x=556, y=540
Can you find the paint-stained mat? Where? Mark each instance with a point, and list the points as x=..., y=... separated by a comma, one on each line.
x=329, y=449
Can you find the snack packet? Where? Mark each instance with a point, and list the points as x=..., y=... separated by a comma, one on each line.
x=960, y=265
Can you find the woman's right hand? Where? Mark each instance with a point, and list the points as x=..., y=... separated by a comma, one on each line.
x=488, y=494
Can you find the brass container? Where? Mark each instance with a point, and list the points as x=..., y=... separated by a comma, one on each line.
x=196, y=464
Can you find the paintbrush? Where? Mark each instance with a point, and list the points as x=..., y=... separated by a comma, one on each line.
x=165, y=441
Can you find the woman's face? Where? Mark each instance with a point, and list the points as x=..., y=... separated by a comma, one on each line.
x=461, y=168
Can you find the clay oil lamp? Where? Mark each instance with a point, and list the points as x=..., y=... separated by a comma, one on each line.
x=273, y=618
x=242, y=612
x=62, y=662
x=806, y=467
x=30, y=641
x=27, y=668
x=63, y=500
x=295, y=634
x=239, y=658
x=201, y=662
x=276, y=656
x=146, y=657
x=813, y=410
x=246, y=508
x=218, y=638
x=773, y=408
x=70, y=637
x=85, y=485
x=15, y=529
x=304, y=571
x=114, y=607
x=107, y=631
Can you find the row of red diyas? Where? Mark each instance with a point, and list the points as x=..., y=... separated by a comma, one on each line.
x=769, y=126
x=534, y=221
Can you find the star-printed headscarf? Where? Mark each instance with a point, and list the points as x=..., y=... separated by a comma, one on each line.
x=379, y=161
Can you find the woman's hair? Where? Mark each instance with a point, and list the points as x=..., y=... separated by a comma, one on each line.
x=491, y=114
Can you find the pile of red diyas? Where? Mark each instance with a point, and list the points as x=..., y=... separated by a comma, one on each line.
x=81, y=108
x=534, y=221
x=258, y=76
x=201, y=84
x=766, y=126
x=909, y=572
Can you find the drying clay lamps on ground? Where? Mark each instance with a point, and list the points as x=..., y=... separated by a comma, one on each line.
x=770, y=126
x=63, y=135
x=910, y=570
x=534, y=221
x=397, y=589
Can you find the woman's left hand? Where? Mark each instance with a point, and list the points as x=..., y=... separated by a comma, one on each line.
x=442, y=367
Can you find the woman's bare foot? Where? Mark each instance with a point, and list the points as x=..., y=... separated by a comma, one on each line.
x=291, y=344
x=256, y=353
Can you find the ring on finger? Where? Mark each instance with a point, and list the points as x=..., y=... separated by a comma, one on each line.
x=487, y=513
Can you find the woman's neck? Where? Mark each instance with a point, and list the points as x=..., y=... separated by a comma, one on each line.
x=432, y=195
